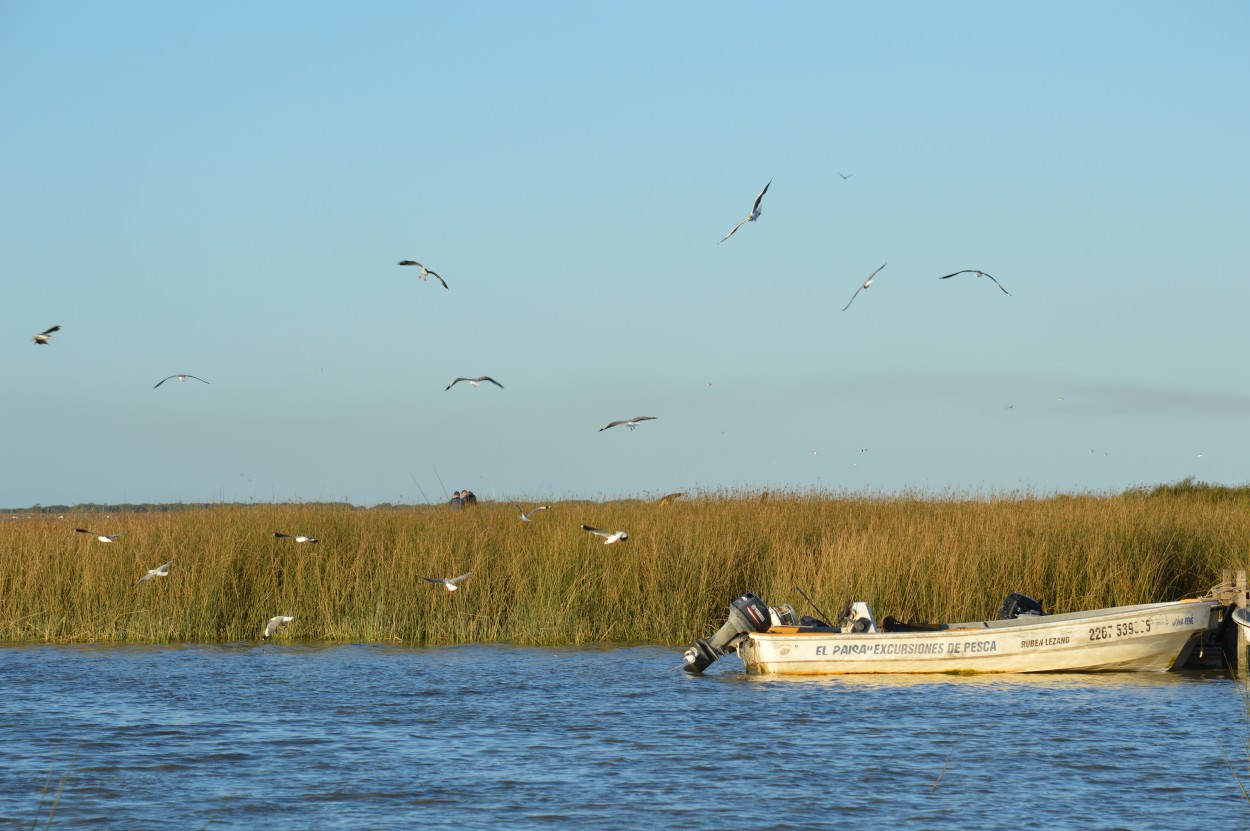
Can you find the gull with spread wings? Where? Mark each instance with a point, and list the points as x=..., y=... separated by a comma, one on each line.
x=609, y=537
x=43, y=337
x=450, y=583
x=181, y=377
x=159, y=571
x=296, y=537
x=866, y=284
x=528, y=517
x=979, y=274
x=631, y=423
x=102, y=537
x=751, y=217
x=425, y=272
x=473, y=382
x=275, y=623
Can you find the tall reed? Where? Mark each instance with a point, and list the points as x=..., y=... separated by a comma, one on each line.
x=549, y=582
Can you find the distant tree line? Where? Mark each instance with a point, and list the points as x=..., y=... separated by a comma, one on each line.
x=158, y=507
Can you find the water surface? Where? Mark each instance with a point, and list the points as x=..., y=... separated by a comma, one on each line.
x=302, y=737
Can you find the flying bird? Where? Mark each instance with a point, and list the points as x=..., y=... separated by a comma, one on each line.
x=43, y=337
x=181, y=377
x=665, y=500
x=631, y=423
x=751, y=217
x=425, y=272
x=296, y=537
x=275, y=623
x=473, y=382
x=609, y=537
x=102, y=537
x=159, y=571
x=979, y=274
x=451, y=583
x=866, y=284
x=846, y=176
x=526, y=517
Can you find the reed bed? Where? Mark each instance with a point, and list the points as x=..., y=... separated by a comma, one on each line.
x=548, y=582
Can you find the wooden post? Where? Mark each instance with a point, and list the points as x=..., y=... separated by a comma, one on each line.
x=1224, y=644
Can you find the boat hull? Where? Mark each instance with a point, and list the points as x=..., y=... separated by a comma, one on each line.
x=1145, y=638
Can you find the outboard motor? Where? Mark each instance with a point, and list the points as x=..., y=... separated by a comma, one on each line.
x=746, y=614
x=1019, y=604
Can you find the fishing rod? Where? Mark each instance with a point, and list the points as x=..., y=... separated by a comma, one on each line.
x=814, y=606
x=440, y=480
x=418, y=484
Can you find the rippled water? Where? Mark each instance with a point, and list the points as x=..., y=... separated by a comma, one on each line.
x=300, y=737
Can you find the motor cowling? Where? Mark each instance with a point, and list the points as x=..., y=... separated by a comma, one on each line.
x=746, y=614
x=1018, y=604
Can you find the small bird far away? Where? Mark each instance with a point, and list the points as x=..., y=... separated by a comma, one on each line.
x=866, y=284
x=296, y=537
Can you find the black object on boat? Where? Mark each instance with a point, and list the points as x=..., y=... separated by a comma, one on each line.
x=746, y=614
x=1019, y=604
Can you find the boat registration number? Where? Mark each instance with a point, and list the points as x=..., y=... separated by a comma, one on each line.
x=1119, y=630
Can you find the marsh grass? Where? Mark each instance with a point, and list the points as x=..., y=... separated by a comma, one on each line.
x=549, y=582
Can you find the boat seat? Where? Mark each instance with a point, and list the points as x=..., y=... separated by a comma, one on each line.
x=892, y=624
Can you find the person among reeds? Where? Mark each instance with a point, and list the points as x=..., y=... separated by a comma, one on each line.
x=456, y=500
x=468, y=497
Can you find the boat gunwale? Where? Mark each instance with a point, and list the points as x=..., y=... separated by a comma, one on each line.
x=970, y=628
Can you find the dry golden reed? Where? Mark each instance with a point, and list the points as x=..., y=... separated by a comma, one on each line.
x=549, y=582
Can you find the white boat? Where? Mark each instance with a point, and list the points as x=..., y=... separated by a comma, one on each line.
x=1147, y=637
x=1242, y=618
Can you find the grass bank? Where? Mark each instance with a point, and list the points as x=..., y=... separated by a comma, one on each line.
x=549, y=582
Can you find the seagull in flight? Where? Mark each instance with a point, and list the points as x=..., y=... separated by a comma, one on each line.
x=275, y=623
x=866, y=284
x=979, y=274
x=102, y=537
x=473, y=382
x=451, y=583
x=631, y=423
x=159, y=571
x=751, y=217
x=43, y=337
x=296, y=537
x=846, y=176
x=181, y=377
x=526, y=517
x=425, y=272
x=609, y=537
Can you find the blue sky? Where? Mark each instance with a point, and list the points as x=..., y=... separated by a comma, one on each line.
x=224, y=189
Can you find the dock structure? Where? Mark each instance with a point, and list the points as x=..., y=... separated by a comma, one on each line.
x=1224, y=644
